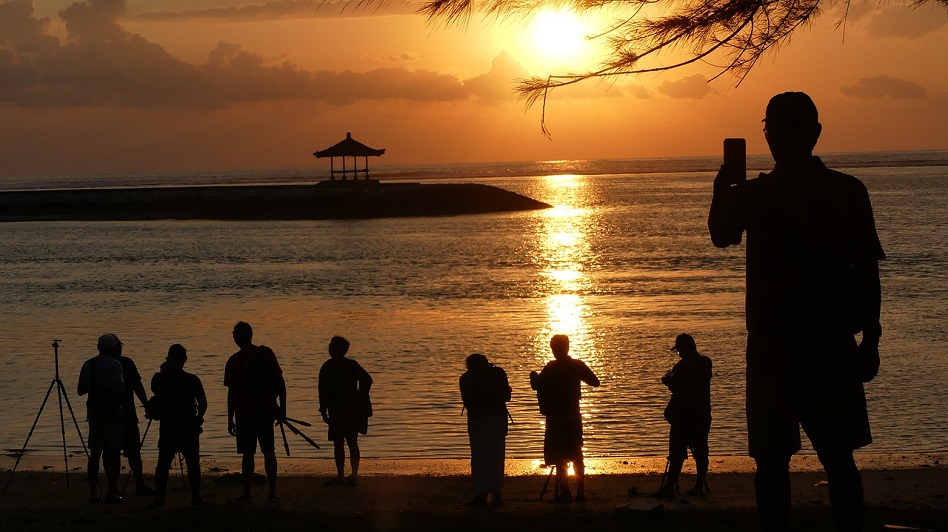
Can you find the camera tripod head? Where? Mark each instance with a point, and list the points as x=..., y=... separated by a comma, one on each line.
x=56, y=342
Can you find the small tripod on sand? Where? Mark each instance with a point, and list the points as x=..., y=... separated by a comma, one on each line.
x=61, y=395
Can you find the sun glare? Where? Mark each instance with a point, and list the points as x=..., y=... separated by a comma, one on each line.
x=559, y=35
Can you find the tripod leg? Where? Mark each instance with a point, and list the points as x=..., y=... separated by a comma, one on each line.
x=62, y=428
x=28, y=436
x=141, y=444
x=73, y=414
x=181, y=468
x=547, y=483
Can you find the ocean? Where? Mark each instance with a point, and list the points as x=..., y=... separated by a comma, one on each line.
x=622, y=263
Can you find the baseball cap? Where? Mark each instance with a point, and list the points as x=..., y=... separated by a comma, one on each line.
x=108, y=340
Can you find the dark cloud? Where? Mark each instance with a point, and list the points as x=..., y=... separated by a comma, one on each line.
x=885, y=87
x=284, y=9
x=102, y=64
x=906, y=22
x=694, y=87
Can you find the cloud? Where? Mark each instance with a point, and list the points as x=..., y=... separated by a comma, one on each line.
x=282, y=9
x=498, y=83
x=102, y=64
x=885, y=87
x=694, y=87
x=907, y=22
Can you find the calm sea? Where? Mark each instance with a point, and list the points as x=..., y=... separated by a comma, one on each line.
x=621, y=264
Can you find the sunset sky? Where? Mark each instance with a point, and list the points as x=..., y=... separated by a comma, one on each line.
x=148, y=86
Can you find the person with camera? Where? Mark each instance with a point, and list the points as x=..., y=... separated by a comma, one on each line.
x=485, y=392
x=254, y=382
x=101, y=378
x=181, y=405
x=558, y=393
x=689, y=414
x=812, y=285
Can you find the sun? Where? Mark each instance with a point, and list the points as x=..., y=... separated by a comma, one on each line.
x=559, y=36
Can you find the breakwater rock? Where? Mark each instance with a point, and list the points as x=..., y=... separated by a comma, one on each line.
x=323, y=201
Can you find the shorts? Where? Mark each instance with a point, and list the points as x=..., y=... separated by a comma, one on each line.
x=132, y=439
x=563, y=440
x=105, y=433
x=252, y=429
x=811, y=382
x=688, y=435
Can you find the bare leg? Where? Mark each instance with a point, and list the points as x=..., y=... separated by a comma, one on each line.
x=562, y=480
x=772, y=488
x=339, y=453
x=270, y=464
x=580, y=469
x=112, y=462
x=354, y=455
x=845, y=489
x=248, y=470
x=92, y=468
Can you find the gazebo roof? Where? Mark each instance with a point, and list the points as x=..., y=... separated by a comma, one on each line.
x=349, y=147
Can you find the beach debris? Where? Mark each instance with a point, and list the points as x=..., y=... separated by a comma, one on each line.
x=900, y=527
x=821, y=484
x=640, y=506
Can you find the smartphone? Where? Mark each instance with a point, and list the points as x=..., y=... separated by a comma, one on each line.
x=735, y=159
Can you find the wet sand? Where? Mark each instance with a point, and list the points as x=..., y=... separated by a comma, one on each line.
x=429, y=495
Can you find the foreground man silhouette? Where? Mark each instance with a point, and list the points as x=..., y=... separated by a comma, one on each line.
x=558, y=393
x=254, y=382
x=812, y=284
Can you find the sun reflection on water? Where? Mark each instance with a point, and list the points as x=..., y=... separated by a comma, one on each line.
x=563, y=252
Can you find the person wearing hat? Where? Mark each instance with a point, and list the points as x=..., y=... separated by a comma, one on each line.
x=812, y=285
x=182, y=404
x=689, y=414
x=101, y=378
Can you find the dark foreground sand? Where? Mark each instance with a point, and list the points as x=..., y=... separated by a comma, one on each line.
x=915, y=497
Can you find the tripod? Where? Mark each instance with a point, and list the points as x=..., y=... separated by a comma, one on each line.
x=60, y=394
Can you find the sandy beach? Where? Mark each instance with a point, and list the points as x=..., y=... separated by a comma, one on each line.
x=429, y=495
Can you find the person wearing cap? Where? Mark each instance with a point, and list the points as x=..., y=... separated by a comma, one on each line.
x=689, y=414
x=132, y=447
x=101, y=378
x=182, y=405
x=558, y=392
x=812, y=285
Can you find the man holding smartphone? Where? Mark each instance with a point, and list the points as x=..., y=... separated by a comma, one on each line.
x=812, y=284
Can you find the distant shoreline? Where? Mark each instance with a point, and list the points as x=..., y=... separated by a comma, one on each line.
x=326, y=201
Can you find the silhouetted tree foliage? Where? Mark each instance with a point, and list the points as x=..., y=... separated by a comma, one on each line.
x=735, y=33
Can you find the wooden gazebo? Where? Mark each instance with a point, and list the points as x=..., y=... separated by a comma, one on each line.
x=349, y=147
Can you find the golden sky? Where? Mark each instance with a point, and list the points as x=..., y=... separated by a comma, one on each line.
x=148, y=85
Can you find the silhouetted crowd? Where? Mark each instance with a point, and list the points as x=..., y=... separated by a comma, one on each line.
x=812, y=287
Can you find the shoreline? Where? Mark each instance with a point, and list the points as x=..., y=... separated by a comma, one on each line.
x=916, y=498
x=514, y=467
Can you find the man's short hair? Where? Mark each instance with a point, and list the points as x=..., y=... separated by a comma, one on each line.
x=559, y=343
x=338, y=346
x=177, y=354
x=243, y=331
x=476, y=360
x=791, y=109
